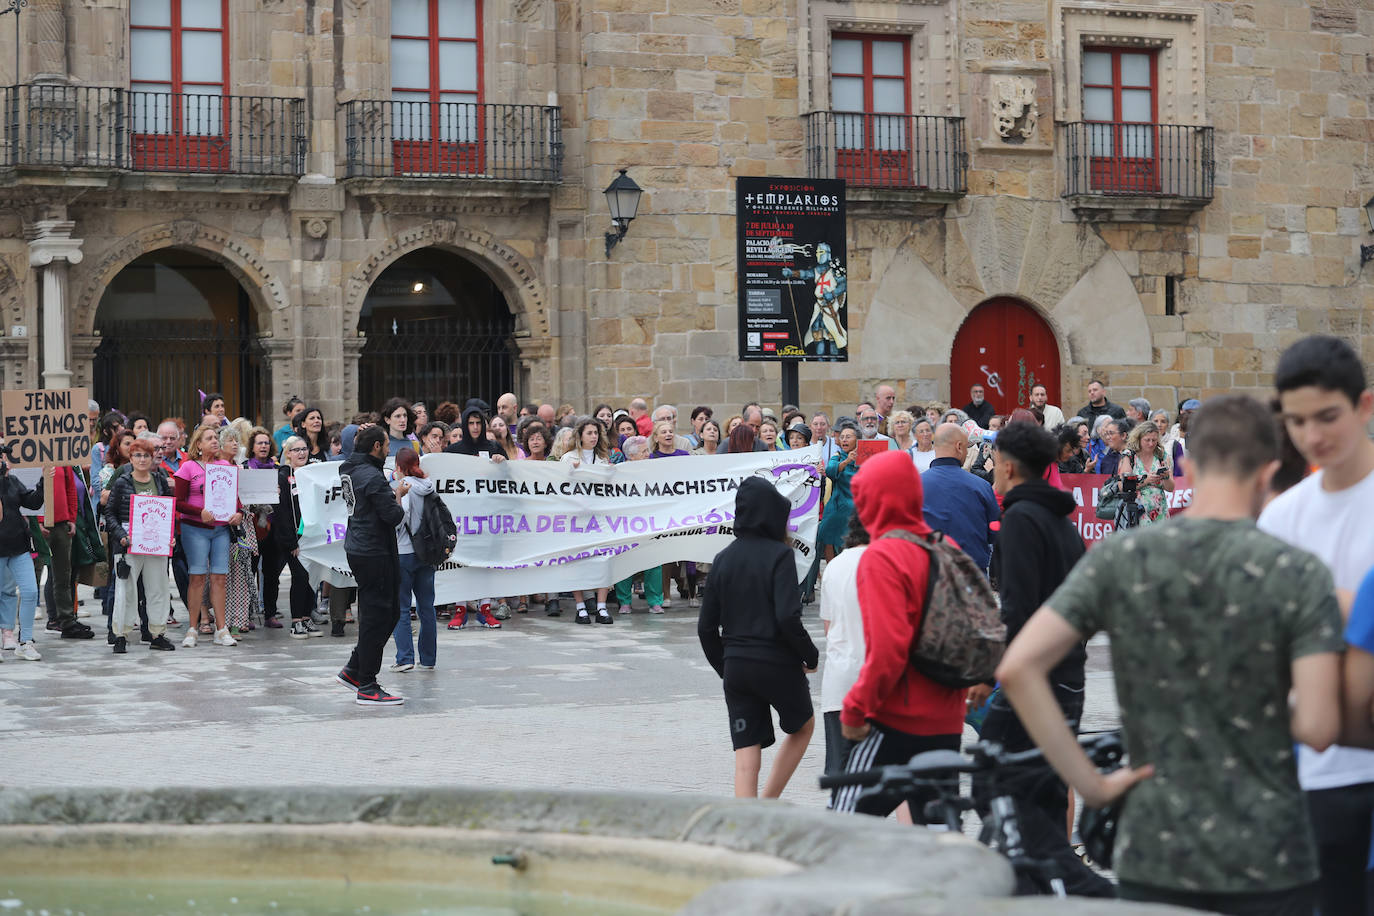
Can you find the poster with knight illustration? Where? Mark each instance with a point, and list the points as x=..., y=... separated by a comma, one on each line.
x=793, y=282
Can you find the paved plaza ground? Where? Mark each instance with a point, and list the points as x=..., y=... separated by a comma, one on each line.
x=541, y=702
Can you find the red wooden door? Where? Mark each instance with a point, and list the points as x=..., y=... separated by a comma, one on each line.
x=1007, y=348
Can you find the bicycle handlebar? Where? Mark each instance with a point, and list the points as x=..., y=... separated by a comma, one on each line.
x=1104, y=748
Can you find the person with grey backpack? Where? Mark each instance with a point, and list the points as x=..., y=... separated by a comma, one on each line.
x=418, y=562
x=932, y=629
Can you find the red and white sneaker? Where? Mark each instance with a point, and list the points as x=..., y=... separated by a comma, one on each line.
x=460, y=619
x=486, y=619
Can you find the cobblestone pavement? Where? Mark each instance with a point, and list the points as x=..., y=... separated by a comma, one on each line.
x=539, y=703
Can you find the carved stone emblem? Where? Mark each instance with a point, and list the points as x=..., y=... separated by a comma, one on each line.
x=1014, y=109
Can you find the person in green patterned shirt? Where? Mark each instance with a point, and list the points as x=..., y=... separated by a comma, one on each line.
x=1212, y=624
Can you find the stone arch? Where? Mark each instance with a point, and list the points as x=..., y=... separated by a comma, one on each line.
x=509, y=269
x=265, y=290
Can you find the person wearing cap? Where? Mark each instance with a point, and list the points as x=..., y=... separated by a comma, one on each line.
x=798, y=435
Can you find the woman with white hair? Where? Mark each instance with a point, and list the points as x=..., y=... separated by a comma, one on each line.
x=241, y=588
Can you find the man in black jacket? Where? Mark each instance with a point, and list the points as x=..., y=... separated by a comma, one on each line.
x=1036, y=548
x=374, y=511
x=751, y=631
x=1098, y=405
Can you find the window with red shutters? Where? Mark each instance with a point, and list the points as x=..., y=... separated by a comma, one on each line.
x=178, y=77
x=1120, y=93
x=870, y=95
x=437, y=119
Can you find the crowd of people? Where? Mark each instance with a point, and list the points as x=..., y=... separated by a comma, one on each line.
x=1241, y=633
x=1226, y=635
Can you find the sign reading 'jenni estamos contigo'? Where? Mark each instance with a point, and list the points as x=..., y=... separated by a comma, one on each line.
x=46, y=428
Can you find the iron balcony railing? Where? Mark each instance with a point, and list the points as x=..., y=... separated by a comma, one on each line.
x=114, y=128
x=1118, y=159
x=911, y=152
x=421, y=139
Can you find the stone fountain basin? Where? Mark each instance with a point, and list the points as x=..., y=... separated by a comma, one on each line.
x=640, y=851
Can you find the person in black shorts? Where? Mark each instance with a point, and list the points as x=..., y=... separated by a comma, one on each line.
x=751, y=631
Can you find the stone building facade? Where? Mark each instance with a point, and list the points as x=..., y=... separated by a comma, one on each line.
x=1160, y=194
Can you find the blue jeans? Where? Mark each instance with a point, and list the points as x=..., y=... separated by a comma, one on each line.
x=207, y=550
x=416, y=578
x=16, y=575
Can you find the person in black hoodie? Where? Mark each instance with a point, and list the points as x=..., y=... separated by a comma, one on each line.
x=476, y=439
x=374, y=511
x=751, y=631
x=1036, y=548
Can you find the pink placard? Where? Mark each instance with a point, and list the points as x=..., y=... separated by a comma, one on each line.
x=152, y=524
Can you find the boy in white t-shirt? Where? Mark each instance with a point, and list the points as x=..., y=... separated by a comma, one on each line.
x=1326, y=408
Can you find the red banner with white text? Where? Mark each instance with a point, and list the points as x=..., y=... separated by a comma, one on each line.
x=1085, y=489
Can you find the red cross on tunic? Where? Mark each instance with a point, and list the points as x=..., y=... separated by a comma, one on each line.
x=825, y=283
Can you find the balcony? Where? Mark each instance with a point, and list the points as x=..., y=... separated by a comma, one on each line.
x=466, y=141
x=921, y=158
x=57, y=128
x=1124, y=172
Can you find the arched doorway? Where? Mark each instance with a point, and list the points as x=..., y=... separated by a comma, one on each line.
x=437, y=329
x=172, y=322
x=1007, y=348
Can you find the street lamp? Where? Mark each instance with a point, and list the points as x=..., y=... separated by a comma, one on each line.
x=14, y=7
x=622, y=195
x=1367, y=251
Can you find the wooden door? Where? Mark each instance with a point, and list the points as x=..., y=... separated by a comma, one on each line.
x=1007, y=348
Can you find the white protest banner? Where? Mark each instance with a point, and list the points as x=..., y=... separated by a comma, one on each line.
x=538, y=526
x=152, y=521
x=221, y=490
x=258, y=487
x=47, y=428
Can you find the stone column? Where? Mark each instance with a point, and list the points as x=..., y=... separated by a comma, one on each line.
x=49, y=41
x=52, y=248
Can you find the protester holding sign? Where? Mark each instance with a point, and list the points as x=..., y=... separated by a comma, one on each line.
x=841, y=470
x=138, y=559
x=286, y=536
x=18, y=586
x=204, y=537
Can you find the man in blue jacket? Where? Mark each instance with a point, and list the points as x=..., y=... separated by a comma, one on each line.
x=374, y=511
x=958, y=503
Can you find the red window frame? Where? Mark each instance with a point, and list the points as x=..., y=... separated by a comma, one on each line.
x=176, y=150
x=434, y=155
x=1120, y=172
x=882, y=156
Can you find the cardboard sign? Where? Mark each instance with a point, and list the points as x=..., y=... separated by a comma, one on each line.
x=221, y=490
x=152, y=521
x=867, y=448
x=47, y=428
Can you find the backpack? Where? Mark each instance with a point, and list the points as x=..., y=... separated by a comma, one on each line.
x=961, y=636
x=437, y=535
